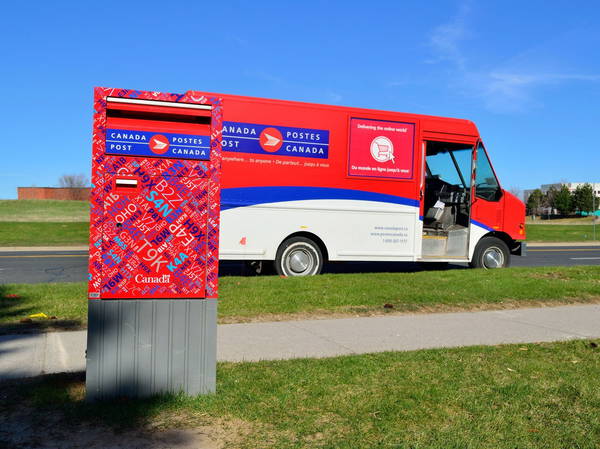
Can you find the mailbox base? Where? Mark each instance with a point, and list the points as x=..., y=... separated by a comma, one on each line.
x=139, y=348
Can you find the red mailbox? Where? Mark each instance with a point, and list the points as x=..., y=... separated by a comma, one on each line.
x=154, y=229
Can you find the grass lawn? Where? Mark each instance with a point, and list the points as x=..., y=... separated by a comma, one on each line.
x=66, y=301
x=513, y=396
x=43, y=222
x=52, y=223
x=76, y=233
x=275, y=298
x=43, y=233
x=561, y=233
x=44, y=210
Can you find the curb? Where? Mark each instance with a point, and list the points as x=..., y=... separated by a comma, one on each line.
x=537, y=244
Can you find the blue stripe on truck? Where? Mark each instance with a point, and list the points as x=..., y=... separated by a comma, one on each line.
x=481, y=225
x=249, y=196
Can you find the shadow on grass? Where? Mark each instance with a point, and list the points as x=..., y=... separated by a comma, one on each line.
x=66, y=393
x=53, y=408
x=40, y=326
x=11, y=306
x=14, y=316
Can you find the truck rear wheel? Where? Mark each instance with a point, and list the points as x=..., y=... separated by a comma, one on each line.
x=298, y=256
x=491, y=252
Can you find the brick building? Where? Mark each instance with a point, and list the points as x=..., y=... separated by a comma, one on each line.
x=53, y=193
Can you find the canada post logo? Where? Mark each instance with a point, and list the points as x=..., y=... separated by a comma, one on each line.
x=270, y=140
x=159, y=144
x=126, y=142
x=276, y=140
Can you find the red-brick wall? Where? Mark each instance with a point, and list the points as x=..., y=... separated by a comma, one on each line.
x=53, y=193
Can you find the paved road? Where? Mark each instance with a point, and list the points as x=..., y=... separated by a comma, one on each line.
x=559, y=256
x=34, y=354
x=39, y=267
x=71, y=266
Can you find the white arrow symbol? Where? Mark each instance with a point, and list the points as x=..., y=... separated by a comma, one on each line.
x=271, y=141
x=158, y=144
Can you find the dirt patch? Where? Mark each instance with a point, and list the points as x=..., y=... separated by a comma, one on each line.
x=32, y=428
x=220, y=432
x=18, y=432
x=38, y=413
x=555, y=275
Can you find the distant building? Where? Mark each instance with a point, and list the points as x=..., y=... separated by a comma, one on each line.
x=558, y=185
x=570, y=185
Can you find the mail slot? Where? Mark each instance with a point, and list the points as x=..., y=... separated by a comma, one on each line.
x=155, y=199
x=126, y=183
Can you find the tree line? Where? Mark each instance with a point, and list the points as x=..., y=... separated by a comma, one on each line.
x=582, y=199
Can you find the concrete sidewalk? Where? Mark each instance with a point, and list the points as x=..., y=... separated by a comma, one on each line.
x=34, y=354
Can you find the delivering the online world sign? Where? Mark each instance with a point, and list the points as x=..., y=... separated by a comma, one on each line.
x=381, y=149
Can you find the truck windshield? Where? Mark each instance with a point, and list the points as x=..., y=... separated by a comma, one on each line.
x=486, y=184
x=450, y=162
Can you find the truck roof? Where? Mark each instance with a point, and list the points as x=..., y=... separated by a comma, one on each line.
x=429, y=123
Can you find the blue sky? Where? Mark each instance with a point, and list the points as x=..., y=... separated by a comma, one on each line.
x=527, y=73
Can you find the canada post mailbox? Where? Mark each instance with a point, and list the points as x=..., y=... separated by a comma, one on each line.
x=155, y=197
x=154, y=233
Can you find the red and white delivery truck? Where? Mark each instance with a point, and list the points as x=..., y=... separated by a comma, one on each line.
x=307, y=183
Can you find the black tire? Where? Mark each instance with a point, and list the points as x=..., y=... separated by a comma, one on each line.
x=490, y=253
x=298, y=256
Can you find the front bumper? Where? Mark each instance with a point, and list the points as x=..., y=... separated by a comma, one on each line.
x=519, y=249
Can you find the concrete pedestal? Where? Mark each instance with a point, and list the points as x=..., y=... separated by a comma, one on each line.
x=139, y=348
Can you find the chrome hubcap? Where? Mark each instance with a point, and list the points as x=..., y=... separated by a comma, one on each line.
x=493, y=258
x=299, y=261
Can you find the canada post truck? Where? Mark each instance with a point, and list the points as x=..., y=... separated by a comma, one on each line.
x=307, y=183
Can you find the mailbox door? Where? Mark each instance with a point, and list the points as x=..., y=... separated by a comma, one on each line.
x=154, y=235
x=147, y=140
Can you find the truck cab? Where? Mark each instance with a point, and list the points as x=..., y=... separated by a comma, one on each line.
x=466, y=213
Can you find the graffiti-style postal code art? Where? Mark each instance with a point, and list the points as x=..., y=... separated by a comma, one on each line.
x=154, y=220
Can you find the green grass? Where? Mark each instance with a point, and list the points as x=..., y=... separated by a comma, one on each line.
x=65, y=301
x=272, y=297
x=44, y=210
x=43, y=222
x=561, y=233
x=43, y=234
x=76, y=233
x=51, y=223
x=407, y=292
x=514, y=396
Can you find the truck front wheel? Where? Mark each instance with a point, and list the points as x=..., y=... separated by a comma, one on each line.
x=491, y=252
x=298, y=256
